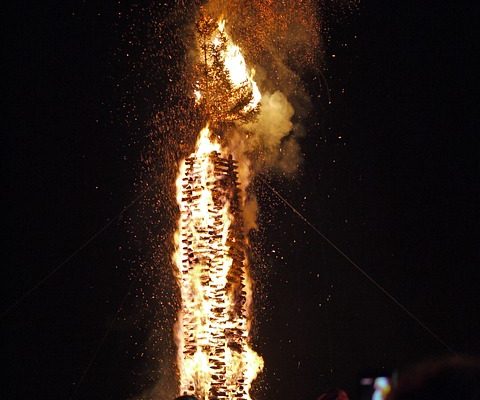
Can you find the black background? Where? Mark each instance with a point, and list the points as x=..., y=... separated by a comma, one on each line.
x=390, y=175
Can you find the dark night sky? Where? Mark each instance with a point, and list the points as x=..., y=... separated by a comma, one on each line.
x=398, y=192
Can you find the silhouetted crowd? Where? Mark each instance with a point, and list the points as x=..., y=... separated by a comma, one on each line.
x=452, y=378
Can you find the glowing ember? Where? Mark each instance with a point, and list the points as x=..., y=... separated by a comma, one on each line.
x=214, y=357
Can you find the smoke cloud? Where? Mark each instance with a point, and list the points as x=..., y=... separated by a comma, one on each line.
x=273, y=123
x=270, y=143
x=281, y=41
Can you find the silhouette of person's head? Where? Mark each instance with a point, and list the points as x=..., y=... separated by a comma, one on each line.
x=450, y=378
x=334, y=394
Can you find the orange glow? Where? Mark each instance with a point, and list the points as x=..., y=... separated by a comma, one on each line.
x=237, y=68
x=215, y=359
x=225, y=83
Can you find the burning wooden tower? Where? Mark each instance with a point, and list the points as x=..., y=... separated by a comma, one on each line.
x=212, y=273
x=215, y=360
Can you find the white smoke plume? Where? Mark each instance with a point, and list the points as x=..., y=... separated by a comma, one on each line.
x=270, y=143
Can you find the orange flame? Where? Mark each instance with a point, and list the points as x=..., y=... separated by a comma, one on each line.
x=218, y=51
x=237, y=68
x=215, y=359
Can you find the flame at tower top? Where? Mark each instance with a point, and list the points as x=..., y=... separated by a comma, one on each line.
x=215, y=359
x=224, y=86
